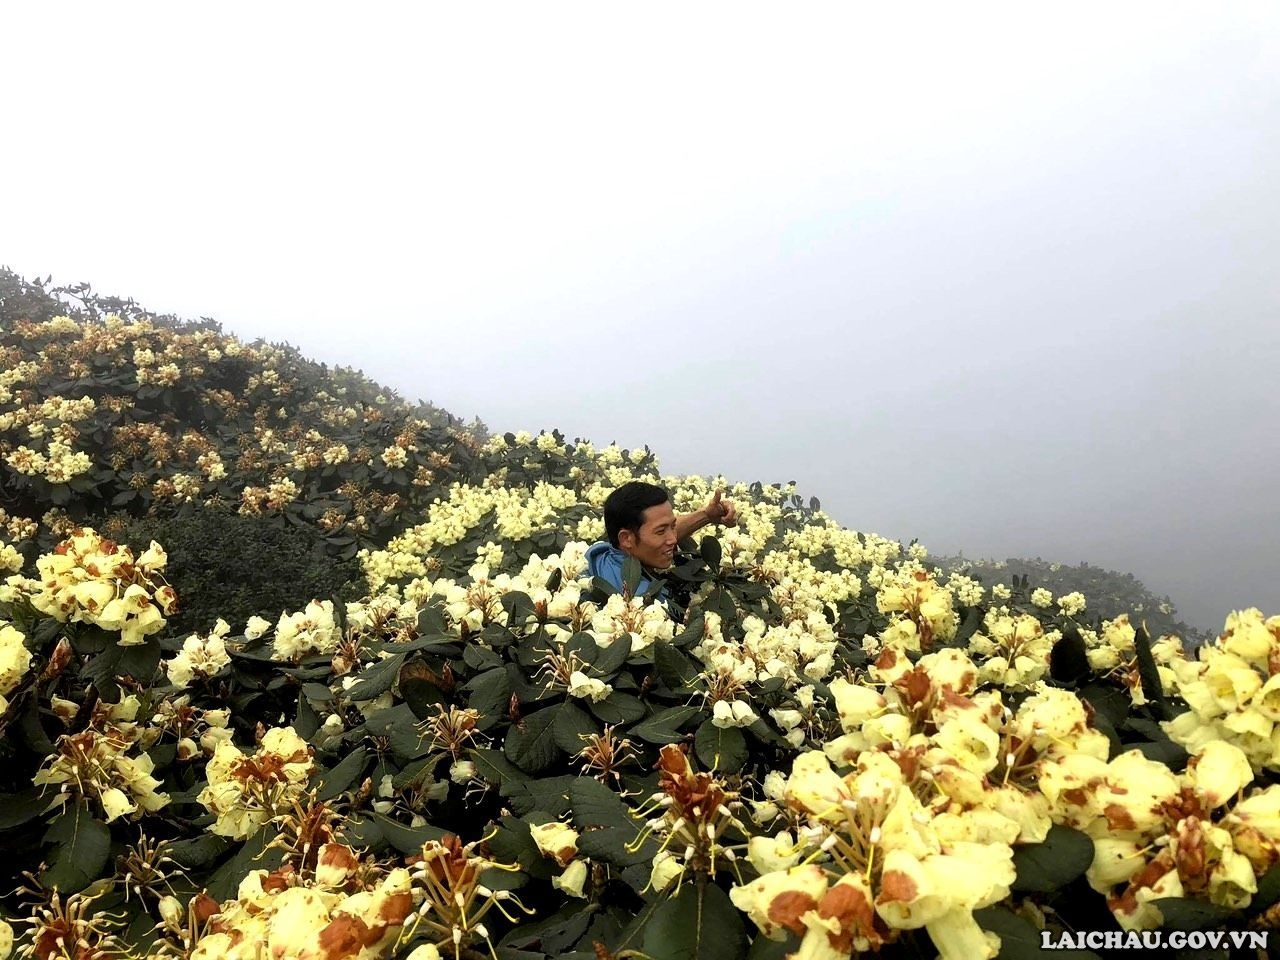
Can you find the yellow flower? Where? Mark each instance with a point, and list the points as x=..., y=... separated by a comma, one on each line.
x=814, y=788
x=15, y=658
x=1219, y=771
x=244, y=792
x=1254, y=824
x=768, y=854
x=116, y=803
x=973, y=744
x=556, y=840
x=573, y=880
x=776, y=901
x=842, y=925
x=855, y=703
x=1115, y=861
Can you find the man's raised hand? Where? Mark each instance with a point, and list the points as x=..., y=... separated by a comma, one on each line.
x=721, y=511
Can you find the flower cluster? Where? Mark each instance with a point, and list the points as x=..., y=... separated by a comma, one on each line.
x=244, y=792
x=1158, y=834
x=313, y=630
x=1233, y=690
x=340, y=911
x=90, y=579
x=1013, y=650
x=868, y=861
x=107, y=764
x=201, y=656
x=695, y=814
x=15, y=661
x=453, y=899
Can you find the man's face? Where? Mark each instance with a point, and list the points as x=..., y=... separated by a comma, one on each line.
x=654, y=544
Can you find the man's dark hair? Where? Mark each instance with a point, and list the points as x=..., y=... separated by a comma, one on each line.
x=624, y=508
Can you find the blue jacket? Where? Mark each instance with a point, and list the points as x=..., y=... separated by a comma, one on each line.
x=605, y=561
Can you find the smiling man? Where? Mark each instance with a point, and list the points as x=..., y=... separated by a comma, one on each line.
x=640, y=522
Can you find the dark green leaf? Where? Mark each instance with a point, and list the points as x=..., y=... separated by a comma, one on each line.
x=1172, y=755
x=406, y=839
x=1019, y=940
x=1149, y=729
x=618, y=708
x=334, y=782
x=1043, y=867
x=711, y=552
x=606, y=825
x=632, y=574
x=572, y=727
x=1109, y=701
x=692, y=631
x=602, y=586
x=664, y=726
x=376, y=679
x=531, y=743
x=698, y=923
x=422, y=696
x=720, y=748
x=431, y=622
x=21, y=807
x=252, y=855
x=81, y=847
x=554, y=581
x=611, y=658
x=494, y=767
x=556, y=933
x=399, y=726
x=490, y=693
x=198, y=851
x=1069, y=660
x=550, y=795
x=762, y=948
x=480, y=658
x=674, y=666
x=1184, y=913
x=513, y=843
x=519, y=607
x=307, y=721
x=1268, y=891
x=140, y=661
x=1147, y=669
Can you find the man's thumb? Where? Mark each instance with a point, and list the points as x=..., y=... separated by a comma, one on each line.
x=716, y=498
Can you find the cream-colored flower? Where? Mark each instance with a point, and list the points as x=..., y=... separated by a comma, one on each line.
x=573, y=881
x=1218, y=772
x=777, y=901
x=556, y=840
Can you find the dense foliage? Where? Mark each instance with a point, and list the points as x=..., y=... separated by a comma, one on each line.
x=804, y=740
x=228, y=565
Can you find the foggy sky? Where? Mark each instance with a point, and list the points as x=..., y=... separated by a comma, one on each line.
x=1000, y=278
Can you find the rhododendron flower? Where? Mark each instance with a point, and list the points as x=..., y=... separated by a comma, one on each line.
x=735, y=713
x=855, y=702
x=587, y=688
x=768, y=854
x=573, y=881
x=556, y=840
x=15, y=658
x=814, y=788
x=244, y=792
x=777, y=900
x=312, y=630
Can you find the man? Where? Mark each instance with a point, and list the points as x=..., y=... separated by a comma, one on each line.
x=640, y=523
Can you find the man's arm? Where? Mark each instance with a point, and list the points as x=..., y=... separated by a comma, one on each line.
x=716, y=511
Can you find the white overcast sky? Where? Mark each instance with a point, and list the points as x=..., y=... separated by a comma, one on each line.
x=1002, y=277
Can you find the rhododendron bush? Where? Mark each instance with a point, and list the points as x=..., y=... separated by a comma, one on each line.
x=814, y=742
